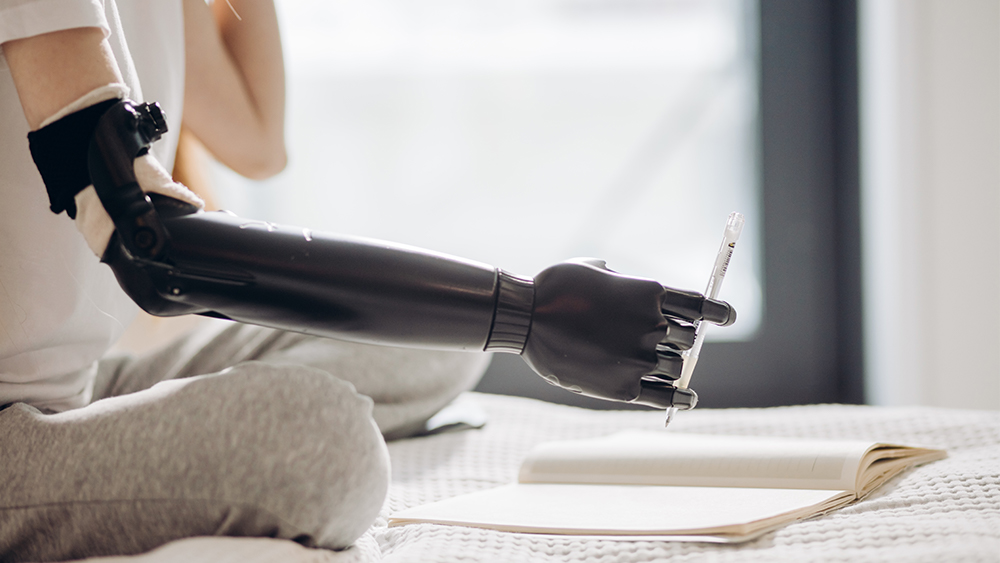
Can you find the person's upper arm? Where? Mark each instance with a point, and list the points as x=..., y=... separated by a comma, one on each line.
x=53, y=69
x=234, y=94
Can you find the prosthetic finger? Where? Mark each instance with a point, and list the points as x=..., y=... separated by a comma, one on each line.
x=694, y=306
x=679, y=335
x=669, y=364
x=662, y=395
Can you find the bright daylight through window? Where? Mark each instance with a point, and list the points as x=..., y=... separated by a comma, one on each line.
x=524, y=132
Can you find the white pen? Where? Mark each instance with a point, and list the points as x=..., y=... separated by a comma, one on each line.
x=734, y=226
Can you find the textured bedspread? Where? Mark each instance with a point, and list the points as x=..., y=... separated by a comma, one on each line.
x=948, y=510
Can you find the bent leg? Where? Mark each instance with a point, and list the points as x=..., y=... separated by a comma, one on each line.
x=230, y=453
x=408, y=385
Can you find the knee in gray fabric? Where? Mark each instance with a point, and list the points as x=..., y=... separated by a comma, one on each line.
x=310, y=453
x=258, y=450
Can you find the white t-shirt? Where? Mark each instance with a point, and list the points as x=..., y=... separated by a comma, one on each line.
x=60, y=308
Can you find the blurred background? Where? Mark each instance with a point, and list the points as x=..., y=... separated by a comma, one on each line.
x=861, y=139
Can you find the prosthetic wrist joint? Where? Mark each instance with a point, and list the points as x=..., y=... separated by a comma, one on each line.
x=512, y=320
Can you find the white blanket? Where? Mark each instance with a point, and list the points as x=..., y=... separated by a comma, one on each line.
x=948, y=510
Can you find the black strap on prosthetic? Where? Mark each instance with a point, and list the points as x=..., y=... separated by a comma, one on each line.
x=60, y=152
x=124, y=133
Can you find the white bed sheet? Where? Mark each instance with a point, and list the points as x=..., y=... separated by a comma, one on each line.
x=948, y=510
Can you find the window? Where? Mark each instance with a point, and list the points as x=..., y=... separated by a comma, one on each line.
x=522, y=133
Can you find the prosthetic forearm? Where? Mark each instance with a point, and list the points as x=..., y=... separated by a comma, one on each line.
x=578, y=324
x=218, y=264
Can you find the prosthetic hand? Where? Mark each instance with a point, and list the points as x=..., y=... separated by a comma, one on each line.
x=579, y=325
x=599, y=333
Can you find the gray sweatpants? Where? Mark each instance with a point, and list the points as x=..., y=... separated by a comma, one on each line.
x=232, y=430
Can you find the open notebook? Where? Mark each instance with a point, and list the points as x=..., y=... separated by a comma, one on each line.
x=638, y=484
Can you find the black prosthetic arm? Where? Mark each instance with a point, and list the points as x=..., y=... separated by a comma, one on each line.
x=316, y=283
x=579, y=325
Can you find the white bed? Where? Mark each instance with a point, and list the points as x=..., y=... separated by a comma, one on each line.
x=948, y=510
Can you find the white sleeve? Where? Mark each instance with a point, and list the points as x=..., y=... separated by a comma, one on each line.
x=27, y=18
